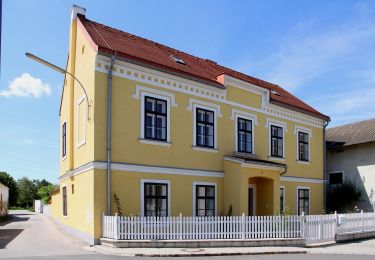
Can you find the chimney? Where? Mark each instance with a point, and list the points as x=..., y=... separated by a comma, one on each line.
x=77, y=10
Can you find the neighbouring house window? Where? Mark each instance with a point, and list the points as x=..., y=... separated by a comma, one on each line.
x=205, y=128
x=282, y=199
x=205, y=200
x=65, y=202
x=156, y=199
x=303, y=201
x=335, y=178
x=303, y=146
x=245, y=135
x=276, y=141
x=155, y=119
x=64, y=140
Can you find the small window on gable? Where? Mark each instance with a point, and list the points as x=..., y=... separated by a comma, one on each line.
x=178, y=60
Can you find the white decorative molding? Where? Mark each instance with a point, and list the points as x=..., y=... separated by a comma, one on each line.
x=254, y=121
x=140, y=168
x=195, y=184
x=204, y=104
x=140, y=89
x=142, y=115
x=301, y=179
x=245, y=164
x=298, y=128
x=168, y=81
x=272, y=121
x=155, y=142
x=83, y=141
x=244, y=114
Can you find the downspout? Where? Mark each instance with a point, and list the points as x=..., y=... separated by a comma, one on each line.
x=109, y=104
x=325, y=165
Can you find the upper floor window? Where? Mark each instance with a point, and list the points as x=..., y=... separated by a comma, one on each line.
x=245, y=135
x=303, y=146
x=155, y=199
x=277, y=135
x=205, y=128
x=63, y=141
x=335, y=178
x=155, y=119
x=205, y=200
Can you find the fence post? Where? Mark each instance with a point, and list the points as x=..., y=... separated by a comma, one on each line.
x=336, y=222
x=303, y=224
x=243, y=226
x=362, y=221
x=181, y=234
x=116, y=229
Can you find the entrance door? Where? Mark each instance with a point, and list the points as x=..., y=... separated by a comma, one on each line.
x=252, y=200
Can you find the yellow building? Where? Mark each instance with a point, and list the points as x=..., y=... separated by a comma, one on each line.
x=186, y=135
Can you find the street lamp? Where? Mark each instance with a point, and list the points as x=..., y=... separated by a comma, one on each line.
x=62, y=71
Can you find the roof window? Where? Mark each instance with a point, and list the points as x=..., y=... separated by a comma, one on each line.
x=178, y=60
x=275, y=92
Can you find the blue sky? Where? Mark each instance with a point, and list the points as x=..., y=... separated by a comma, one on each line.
x=321, y=51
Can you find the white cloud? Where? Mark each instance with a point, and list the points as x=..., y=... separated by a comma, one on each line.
x=305, y=53
x=26, y=86
x=348, y=105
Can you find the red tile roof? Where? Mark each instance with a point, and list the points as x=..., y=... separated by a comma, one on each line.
x=110, y=40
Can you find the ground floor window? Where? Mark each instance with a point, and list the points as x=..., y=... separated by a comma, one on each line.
x=303, y=201
x=156, y=199
x=205, y=200
x=282, y=199
x=65, y=202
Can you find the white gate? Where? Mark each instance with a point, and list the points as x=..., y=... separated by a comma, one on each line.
x=320, y=228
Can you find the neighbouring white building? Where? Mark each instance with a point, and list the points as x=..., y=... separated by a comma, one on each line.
x=351, y=157
x=4, y=196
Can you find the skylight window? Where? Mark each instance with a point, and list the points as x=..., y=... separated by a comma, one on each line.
x=178, y=60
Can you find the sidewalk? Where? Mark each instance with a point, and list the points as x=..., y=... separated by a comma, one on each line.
x=163, y=252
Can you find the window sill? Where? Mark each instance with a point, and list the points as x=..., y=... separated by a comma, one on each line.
x=154, y=142
x=205, y=149
x=81, y=144
x=303, y=162
x=276, y=158
x=64, y=158
x=65, y=217
x=250, y=155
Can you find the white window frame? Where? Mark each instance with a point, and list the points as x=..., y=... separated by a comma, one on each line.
x=195, y=184
x=301, y=129
x=282, y=187
x=142, y=195
x=83, y=141
x=297, y=197
x=333, y=172
x=272, y=122
x=236, y=117
x=193, y=106
x=66, y=140
x=149, y=141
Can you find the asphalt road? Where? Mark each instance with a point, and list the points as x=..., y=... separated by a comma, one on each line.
x=252, y=257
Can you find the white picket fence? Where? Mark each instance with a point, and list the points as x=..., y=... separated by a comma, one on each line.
x=313, y=228
x=191, y=228
x=320, y=228
x=356, y=222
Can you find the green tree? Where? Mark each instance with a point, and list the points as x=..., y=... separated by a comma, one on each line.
x=8, y=181
x=26, y=192
x=343, y=197
x=44, y=192
x=38, y=185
